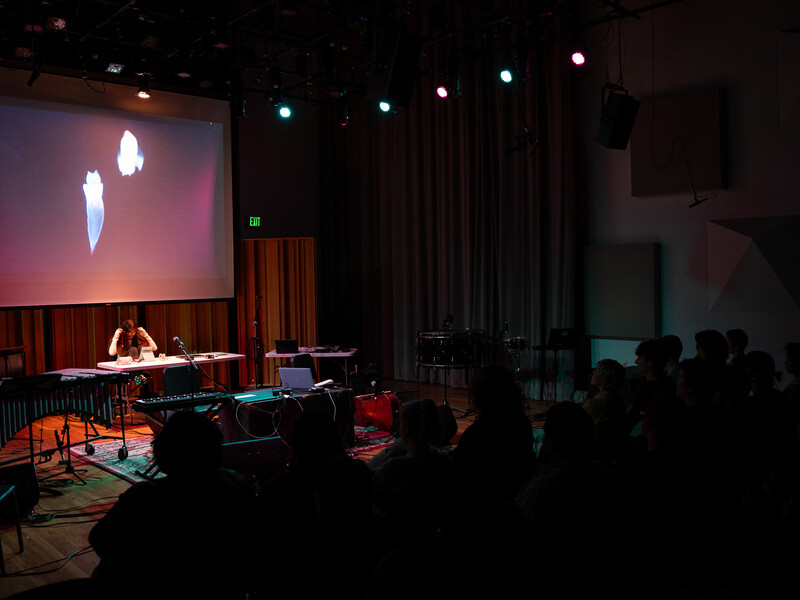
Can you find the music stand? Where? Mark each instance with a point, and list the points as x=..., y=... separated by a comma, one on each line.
x=559, y=339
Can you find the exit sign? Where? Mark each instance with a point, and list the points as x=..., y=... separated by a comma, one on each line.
x=255, y=221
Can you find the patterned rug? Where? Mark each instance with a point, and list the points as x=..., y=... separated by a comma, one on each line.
x=140, y=453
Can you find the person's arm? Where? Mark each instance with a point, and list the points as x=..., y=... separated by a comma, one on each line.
x=112, y=349
x=148, y=339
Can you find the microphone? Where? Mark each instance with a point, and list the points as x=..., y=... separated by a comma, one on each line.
x=177, y=339
x=374, y=384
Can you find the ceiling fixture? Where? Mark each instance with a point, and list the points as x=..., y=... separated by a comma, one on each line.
x=144, y=86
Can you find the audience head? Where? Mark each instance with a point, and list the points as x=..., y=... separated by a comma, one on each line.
x=494, y=392
x=761, y=367
x=651, y=357
x=737, y=341
x=568, y=432
x=696, y=381
x=792, y=358
x=711, y=345
x=419, y=423
x=673, y=346
x=189, y=445
x=608, y=376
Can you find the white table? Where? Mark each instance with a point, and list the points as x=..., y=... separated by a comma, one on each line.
x=162, y=363
x=169, y=361
x=343, y=355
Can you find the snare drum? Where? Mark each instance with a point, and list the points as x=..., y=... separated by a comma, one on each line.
x=516, y=344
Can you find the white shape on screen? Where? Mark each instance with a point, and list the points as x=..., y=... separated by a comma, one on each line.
x=95, y=211
x=130, y=157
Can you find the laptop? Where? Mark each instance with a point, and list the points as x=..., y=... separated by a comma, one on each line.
x=146, y=353
x=299, y=379
x=286, y=347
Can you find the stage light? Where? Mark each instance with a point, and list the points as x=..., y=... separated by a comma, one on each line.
x=385, y=106
x=441, y=91
x=144, y=86
x=578, y=58
x=506, y=76
x=284, y=111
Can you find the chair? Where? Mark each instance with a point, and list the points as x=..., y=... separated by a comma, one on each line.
x=7, y=493
x=180, y=379
x=305, y=361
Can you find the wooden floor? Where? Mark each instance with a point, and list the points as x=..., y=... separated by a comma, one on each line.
x=56, y=543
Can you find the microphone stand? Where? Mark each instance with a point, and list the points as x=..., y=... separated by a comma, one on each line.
x=192, y=363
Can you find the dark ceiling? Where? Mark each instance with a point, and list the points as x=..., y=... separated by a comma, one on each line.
x=312, y=50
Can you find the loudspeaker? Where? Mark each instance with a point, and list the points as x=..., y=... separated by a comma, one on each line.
x=262, y=458
x=398, y=55
x=26, y=487
x=617, y=122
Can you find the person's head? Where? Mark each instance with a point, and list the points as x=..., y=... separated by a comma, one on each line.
x=761, y=367
x=129, y=330
x=568, y=431
x=696, y=381
x=664, y=421
x=651, y=357
x=737, y=341
x=711, y=345
x=673, y=347
x=189, y=445
x=494, y=391
x=608, y=376
x=419, y=423
x=791, y=355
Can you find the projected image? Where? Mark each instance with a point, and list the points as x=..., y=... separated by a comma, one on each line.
x=95, y=212
x=130, y=157
x=159, y=233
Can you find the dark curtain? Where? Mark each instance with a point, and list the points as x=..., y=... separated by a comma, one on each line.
x=449, y=207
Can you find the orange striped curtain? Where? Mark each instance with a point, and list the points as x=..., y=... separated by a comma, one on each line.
x=283, y=273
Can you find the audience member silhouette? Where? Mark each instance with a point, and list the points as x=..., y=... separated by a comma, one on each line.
x=711, y=345
x=419, y=428
x=674, y=347
x=287, y=504
x=167, y=535
x=791, y=363
x=412, y=490
x=607, y=410
x=651, y=361
x=495, y=453
x=569, y=504
x=737, y=343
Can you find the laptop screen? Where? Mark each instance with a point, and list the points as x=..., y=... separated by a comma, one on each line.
x=286, y=347
x=296, y=378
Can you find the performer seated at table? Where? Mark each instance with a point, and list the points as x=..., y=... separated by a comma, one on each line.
x=128, y=339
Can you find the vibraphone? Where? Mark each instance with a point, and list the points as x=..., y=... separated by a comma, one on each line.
x=84, y=392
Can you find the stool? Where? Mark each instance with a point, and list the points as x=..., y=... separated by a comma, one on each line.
x=7, y=491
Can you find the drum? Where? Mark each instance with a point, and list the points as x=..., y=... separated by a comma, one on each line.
x=449, y=349
x=516, y=344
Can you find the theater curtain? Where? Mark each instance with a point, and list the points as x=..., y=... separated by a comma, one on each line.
x=464, y=207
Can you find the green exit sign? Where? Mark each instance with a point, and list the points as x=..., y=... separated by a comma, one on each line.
x=255, y=221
